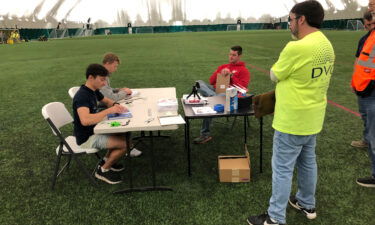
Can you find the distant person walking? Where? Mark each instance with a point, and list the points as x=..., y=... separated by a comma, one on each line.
x=302, y=73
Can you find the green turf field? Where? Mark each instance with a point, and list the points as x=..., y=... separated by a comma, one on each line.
x=36, y=73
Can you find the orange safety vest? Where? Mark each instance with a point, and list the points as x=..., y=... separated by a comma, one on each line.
x=363, y=79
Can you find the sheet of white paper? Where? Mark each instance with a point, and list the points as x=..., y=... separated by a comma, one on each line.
x=203, y=110
x=171, y=120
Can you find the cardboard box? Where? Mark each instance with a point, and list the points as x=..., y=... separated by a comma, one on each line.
x=234, y=168
x=222, y=83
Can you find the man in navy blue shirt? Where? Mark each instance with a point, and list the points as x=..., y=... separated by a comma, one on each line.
x=86, y=116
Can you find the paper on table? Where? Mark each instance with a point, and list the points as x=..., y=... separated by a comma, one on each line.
x=203, y=110
x=171, y=120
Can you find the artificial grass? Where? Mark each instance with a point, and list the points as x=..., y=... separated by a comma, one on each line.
x=36, y=73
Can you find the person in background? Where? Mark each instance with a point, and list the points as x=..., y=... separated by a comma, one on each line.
x=111, y=63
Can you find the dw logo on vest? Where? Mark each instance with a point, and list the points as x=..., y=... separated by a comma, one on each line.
x=318, y=71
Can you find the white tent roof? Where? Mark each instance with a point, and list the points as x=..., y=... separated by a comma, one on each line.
x=47, y=13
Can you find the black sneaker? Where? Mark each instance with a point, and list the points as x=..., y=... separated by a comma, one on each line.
x=117, y=167
x=310, y=213
x=110, y=176
x=366, y=181
x=263, y=219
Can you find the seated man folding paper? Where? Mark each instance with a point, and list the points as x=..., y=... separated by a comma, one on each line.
x=239, y=75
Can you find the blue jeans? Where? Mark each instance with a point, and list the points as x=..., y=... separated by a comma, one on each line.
x=206, y=90
x=290, y=150
x=367, y=109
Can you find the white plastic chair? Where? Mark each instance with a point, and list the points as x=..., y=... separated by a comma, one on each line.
x=72, y=91
x=58, y=116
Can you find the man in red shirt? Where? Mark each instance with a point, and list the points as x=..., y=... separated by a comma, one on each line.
x=239, y=75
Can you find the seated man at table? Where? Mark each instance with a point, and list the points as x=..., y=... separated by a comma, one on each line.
x=86, y=116
x=239, y=75
x=111, y=62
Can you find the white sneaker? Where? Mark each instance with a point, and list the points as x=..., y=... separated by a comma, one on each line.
x=135, y=153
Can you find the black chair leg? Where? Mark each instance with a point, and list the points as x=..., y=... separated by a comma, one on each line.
x=57, y=165
x=96, y=167
x=91, y=178
x=69, y=160
x=97, y=155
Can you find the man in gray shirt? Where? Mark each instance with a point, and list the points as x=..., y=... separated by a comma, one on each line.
x=111, y=62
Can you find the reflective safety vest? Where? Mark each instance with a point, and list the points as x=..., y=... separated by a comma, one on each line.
x=363, y=79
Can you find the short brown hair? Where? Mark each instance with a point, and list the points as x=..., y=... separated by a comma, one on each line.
x=237, y=49
x=110, y=58
x=312, y=10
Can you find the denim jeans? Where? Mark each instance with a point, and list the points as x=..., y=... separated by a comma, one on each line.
x=290, y=150
x=206, y=90
x=367, y=109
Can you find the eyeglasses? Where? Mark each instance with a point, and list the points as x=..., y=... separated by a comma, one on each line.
x=296, y=18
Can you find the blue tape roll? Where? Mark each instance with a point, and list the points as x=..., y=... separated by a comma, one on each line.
x=219, y=108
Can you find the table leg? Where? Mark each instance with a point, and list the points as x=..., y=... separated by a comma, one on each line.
x=245, y=129
x=261, y=144
x=162, y=136
x=143, y=136
x=142, y=189
x=152, y=159
x=187, y=144
x=129, y=161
